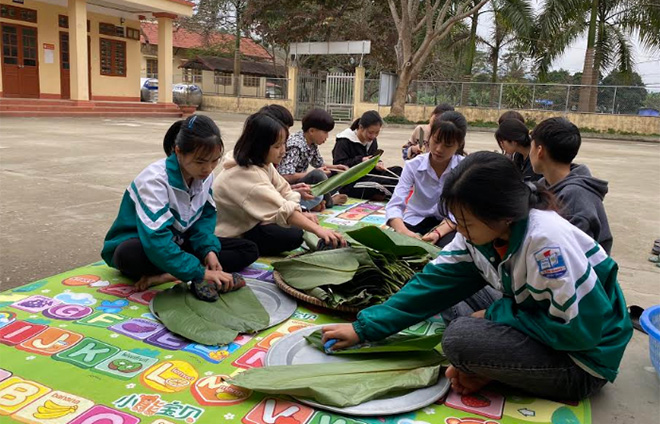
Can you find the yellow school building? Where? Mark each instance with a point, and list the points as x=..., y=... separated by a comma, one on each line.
x=83, y=50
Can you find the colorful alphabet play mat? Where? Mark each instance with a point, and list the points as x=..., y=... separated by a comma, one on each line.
x=82, y=348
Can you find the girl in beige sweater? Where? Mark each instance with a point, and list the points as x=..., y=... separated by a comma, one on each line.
x=254, y=201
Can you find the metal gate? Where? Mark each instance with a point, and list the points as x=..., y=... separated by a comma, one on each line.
x=311, y=94
x=333, y=92
x=339, y=96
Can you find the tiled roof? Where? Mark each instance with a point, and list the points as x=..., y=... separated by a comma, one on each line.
x=225, y=64
x=182, y=38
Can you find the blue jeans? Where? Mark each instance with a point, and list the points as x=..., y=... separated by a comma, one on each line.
x=502, y=353
x=313, y=177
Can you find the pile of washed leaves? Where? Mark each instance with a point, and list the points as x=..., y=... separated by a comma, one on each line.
x=378, y=263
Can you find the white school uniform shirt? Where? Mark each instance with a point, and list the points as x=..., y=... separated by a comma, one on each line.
x=418, y=174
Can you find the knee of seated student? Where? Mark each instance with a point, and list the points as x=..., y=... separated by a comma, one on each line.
x=250, y=251
x=460, y=338
x=292, y=240
x=315, y=176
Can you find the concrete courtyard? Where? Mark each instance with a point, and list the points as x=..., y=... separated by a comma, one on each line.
x=62, y=179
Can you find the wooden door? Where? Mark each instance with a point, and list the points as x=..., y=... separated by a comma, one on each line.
x=10, y=58
x=20, y=64
x=89, y=67
x=65, y=66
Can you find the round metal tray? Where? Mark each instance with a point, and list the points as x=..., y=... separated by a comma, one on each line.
x=279, y=306
x=293, y=349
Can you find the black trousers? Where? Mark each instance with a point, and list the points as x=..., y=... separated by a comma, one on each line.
x=130, y=258
x=271, y=239
x=427, y=225
x=381, y=177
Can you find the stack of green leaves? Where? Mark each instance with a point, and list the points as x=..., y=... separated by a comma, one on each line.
x=344, y=384
x=379, y=263
x=210, y=323
x=353, y=276
x=400, y=342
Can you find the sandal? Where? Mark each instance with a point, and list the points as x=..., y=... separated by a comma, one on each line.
x=635, y=313
x=203, y=290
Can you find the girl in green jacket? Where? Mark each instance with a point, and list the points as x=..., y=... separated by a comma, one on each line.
x=164, y=229
x=561, y=327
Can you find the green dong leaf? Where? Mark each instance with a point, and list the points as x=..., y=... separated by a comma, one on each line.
x=346, y=177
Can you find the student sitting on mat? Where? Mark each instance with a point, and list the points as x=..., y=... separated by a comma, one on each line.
x=302, y=150
x=425, y=175
x=164, y=230
x=254, y=201
x=561, y=327
x=555, y=143
x=419, y=139
x=358, y=144
x=513, y=138
x=283, y=115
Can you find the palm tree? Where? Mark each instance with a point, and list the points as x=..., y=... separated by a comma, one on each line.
x=512, y=20
x=609, y=25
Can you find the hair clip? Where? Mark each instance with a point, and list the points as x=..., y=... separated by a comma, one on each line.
x=191, y=122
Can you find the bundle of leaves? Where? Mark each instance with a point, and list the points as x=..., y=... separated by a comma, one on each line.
x=377, y=265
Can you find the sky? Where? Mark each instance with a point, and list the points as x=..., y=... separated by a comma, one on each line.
x=648, y=62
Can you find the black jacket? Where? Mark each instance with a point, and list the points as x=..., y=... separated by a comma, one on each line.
x=349, y=150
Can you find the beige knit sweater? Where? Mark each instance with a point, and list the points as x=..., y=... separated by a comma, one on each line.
x=247, y=196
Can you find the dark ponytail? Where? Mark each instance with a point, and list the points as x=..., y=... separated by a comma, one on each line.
x=450, y=128
x=490, y=186
x=197, y=133
x=368, y=118
x=513, y=130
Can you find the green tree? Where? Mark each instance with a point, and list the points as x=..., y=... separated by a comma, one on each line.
x=626, y=99
x=420, y=26
x=325, y=20
x=652, y=101
x=609, y=25
x=212, y=16
x=513, y=20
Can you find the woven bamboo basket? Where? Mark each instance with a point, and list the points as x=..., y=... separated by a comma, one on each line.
x=307, y=298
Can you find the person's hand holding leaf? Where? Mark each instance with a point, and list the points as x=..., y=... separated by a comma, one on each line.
x=304, y=189
x=223, y=280
x=326, y=170
x=344, y=334
x=330, y=237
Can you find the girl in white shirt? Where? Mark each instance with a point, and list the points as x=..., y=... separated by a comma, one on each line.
x=425, y=175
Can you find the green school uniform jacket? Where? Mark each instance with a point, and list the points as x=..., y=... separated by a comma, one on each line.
x=559, y=286
x=160, y=210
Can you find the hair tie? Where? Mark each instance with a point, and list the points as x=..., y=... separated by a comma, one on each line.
x=191, y=122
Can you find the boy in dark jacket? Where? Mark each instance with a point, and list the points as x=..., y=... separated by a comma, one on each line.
x=555, y=143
